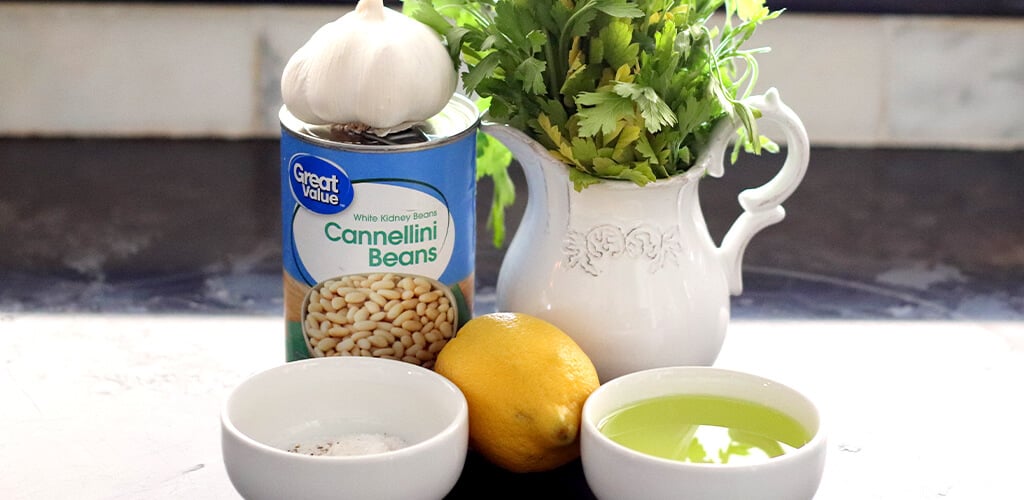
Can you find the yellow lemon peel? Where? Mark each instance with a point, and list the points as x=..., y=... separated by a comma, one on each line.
x=525, y=381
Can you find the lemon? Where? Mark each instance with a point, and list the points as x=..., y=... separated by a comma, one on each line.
x=525, y=381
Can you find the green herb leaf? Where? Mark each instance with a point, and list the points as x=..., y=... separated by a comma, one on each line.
x=483, y=69
x=531, y=73
x=616, y=39
x=604, y=113
x=618, y=8
x=580, y=179
x=424, y=12
x=492, y=161
x=621, y=89
x=751, y=10
x=655, y=112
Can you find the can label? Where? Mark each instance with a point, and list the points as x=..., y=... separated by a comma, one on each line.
x=362, y=212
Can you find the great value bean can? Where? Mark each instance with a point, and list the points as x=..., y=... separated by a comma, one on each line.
x=362, y=213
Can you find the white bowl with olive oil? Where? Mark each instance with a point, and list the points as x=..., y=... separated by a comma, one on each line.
x=701, y=433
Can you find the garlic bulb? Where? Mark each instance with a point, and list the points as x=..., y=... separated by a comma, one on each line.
x=373, y=67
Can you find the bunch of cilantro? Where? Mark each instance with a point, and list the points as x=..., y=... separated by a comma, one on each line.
x=616, y=89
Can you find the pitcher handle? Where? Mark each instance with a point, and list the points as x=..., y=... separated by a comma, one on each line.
x=762, y=206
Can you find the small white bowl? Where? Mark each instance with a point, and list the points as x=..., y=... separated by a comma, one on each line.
x=614, y=471
x=324, y=399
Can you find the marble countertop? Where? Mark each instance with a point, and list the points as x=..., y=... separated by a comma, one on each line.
x=192, y=226
x=126, y=406
x=140, y=281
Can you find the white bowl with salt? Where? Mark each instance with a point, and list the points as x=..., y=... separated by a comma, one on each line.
x=345, y=427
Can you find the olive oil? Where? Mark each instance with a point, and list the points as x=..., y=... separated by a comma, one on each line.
x=705, y=429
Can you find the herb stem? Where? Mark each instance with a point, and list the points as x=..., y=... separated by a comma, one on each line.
x=563, y=39
x=553, y=73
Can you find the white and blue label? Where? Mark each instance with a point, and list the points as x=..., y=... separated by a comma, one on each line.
x=352, y=212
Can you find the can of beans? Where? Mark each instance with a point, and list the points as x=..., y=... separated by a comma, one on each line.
x=379, y=236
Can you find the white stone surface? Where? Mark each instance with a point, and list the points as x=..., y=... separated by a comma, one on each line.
x=830, y=70
x=128, y=70
x=111, y=407
x=916, y=410
x=106, y=69
x=955, y=81
x=122, y=69
x=125, y=407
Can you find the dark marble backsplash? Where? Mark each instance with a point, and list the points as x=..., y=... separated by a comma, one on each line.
x=193, y=226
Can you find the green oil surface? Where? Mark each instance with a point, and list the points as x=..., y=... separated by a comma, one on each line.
x=705, y=429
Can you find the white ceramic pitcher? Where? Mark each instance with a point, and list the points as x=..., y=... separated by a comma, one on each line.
x=631, y=273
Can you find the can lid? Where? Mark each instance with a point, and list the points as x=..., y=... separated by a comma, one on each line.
x=458, y=118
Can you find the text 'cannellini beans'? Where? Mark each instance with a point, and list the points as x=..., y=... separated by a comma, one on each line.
x=381, y=315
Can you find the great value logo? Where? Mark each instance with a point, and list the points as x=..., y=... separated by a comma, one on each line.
x=319, y=185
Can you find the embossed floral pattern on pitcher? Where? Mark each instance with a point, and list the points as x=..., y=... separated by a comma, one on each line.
x=631, y=273
x=607, y=241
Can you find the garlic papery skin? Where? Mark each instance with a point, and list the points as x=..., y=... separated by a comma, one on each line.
x=374, y=67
